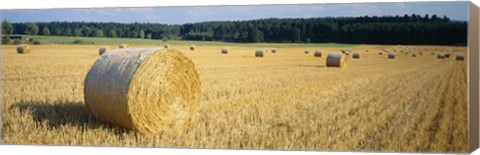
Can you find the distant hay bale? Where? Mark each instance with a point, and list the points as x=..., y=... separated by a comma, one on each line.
x=317, y=54
x=274, y=50
x=23, y=49
x=103, y=50
x=306, y=52
x=460, y=57
x=336, y=60
x=447, y=55
x=366, y=51
x=145, y=90
x=166, y=46
x=391, y=55
x=380, y=53
x=356, y=55
x=441, y=56
x=414, y=55
x=260, y=53
x=192, y=47
x=122, y=46
x=225, y=50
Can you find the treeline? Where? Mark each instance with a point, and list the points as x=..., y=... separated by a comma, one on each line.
x=407, y=29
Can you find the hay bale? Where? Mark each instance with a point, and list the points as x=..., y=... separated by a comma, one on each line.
x=225, y=50
x=260, y=53
x=460, y=57
x=23, y=49
x=103, y=50
x=306, y=52
x=144, y=90
x=166, y=46
x=317, y=54
x=441, y=56
x=122, y=46
x=447, y=55
x=336, y=60
x=356, y=55
x=380, y=53
x=192, y=47
x=414, y=55
x=391, y=55
x=274, y=50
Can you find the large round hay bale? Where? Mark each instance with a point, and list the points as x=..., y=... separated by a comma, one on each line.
x=103, y=50
x=356, y=55
x=225, y=50
x=145, y=90
x=317, y=54
x=260, y=53
x=441, y=56
x=122, y=46
x=336, y=60
x=460, y=57
x=192, y=47
x=23, y=49
x=391, y=55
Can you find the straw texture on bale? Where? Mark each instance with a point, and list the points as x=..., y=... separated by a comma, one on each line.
x=103, y=50
x=356, y=55
x=441, y=56
x=23, y=48
x=391, y=55
x=336, y=60
x=460, y=57
x=317, y=54
x=225, y=50
x=260, y=53
x=192, y=47
x=122, y=46
x=145, y=90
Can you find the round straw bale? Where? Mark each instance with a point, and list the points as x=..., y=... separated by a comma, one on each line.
x=306, y=51
x=103, y=50
x=447, y=55
x=356, y=55
x=274, y=50
x=145, y=90
x=414, y=55
x=192, y=47
x=460, y=57
x=441, y=56
x=336, y=60
x=317, y=54
x=260, y=53
x=380, y=53
x=166, y=46
x=23, y=49
x=391, y=55
x=225, y=50
x=122, y=46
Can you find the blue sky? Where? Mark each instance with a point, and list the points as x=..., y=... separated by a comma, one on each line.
x=180, y=15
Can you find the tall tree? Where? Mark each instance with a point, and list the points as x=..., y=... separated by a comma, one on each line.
x=7, y=28
x=45, y=31
x=31, y=29
x=142, y=34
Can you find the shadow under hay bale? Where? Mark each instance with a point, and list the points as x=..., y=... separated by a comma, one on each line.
x=23, y=49
x=336, y=60
x=144, y=90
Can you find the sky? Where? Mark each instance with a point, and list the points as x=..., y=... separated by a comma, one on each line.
x=181, y=15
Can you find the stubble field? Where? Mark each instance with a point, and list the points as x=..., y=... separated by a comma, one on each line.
x=287, y=101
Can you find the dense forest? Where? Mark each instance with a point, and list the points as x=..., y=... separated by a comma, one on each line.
x=407, y=29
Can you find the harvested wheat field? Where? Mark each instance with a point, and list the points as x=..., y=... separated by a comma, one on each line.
x=286, y=101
